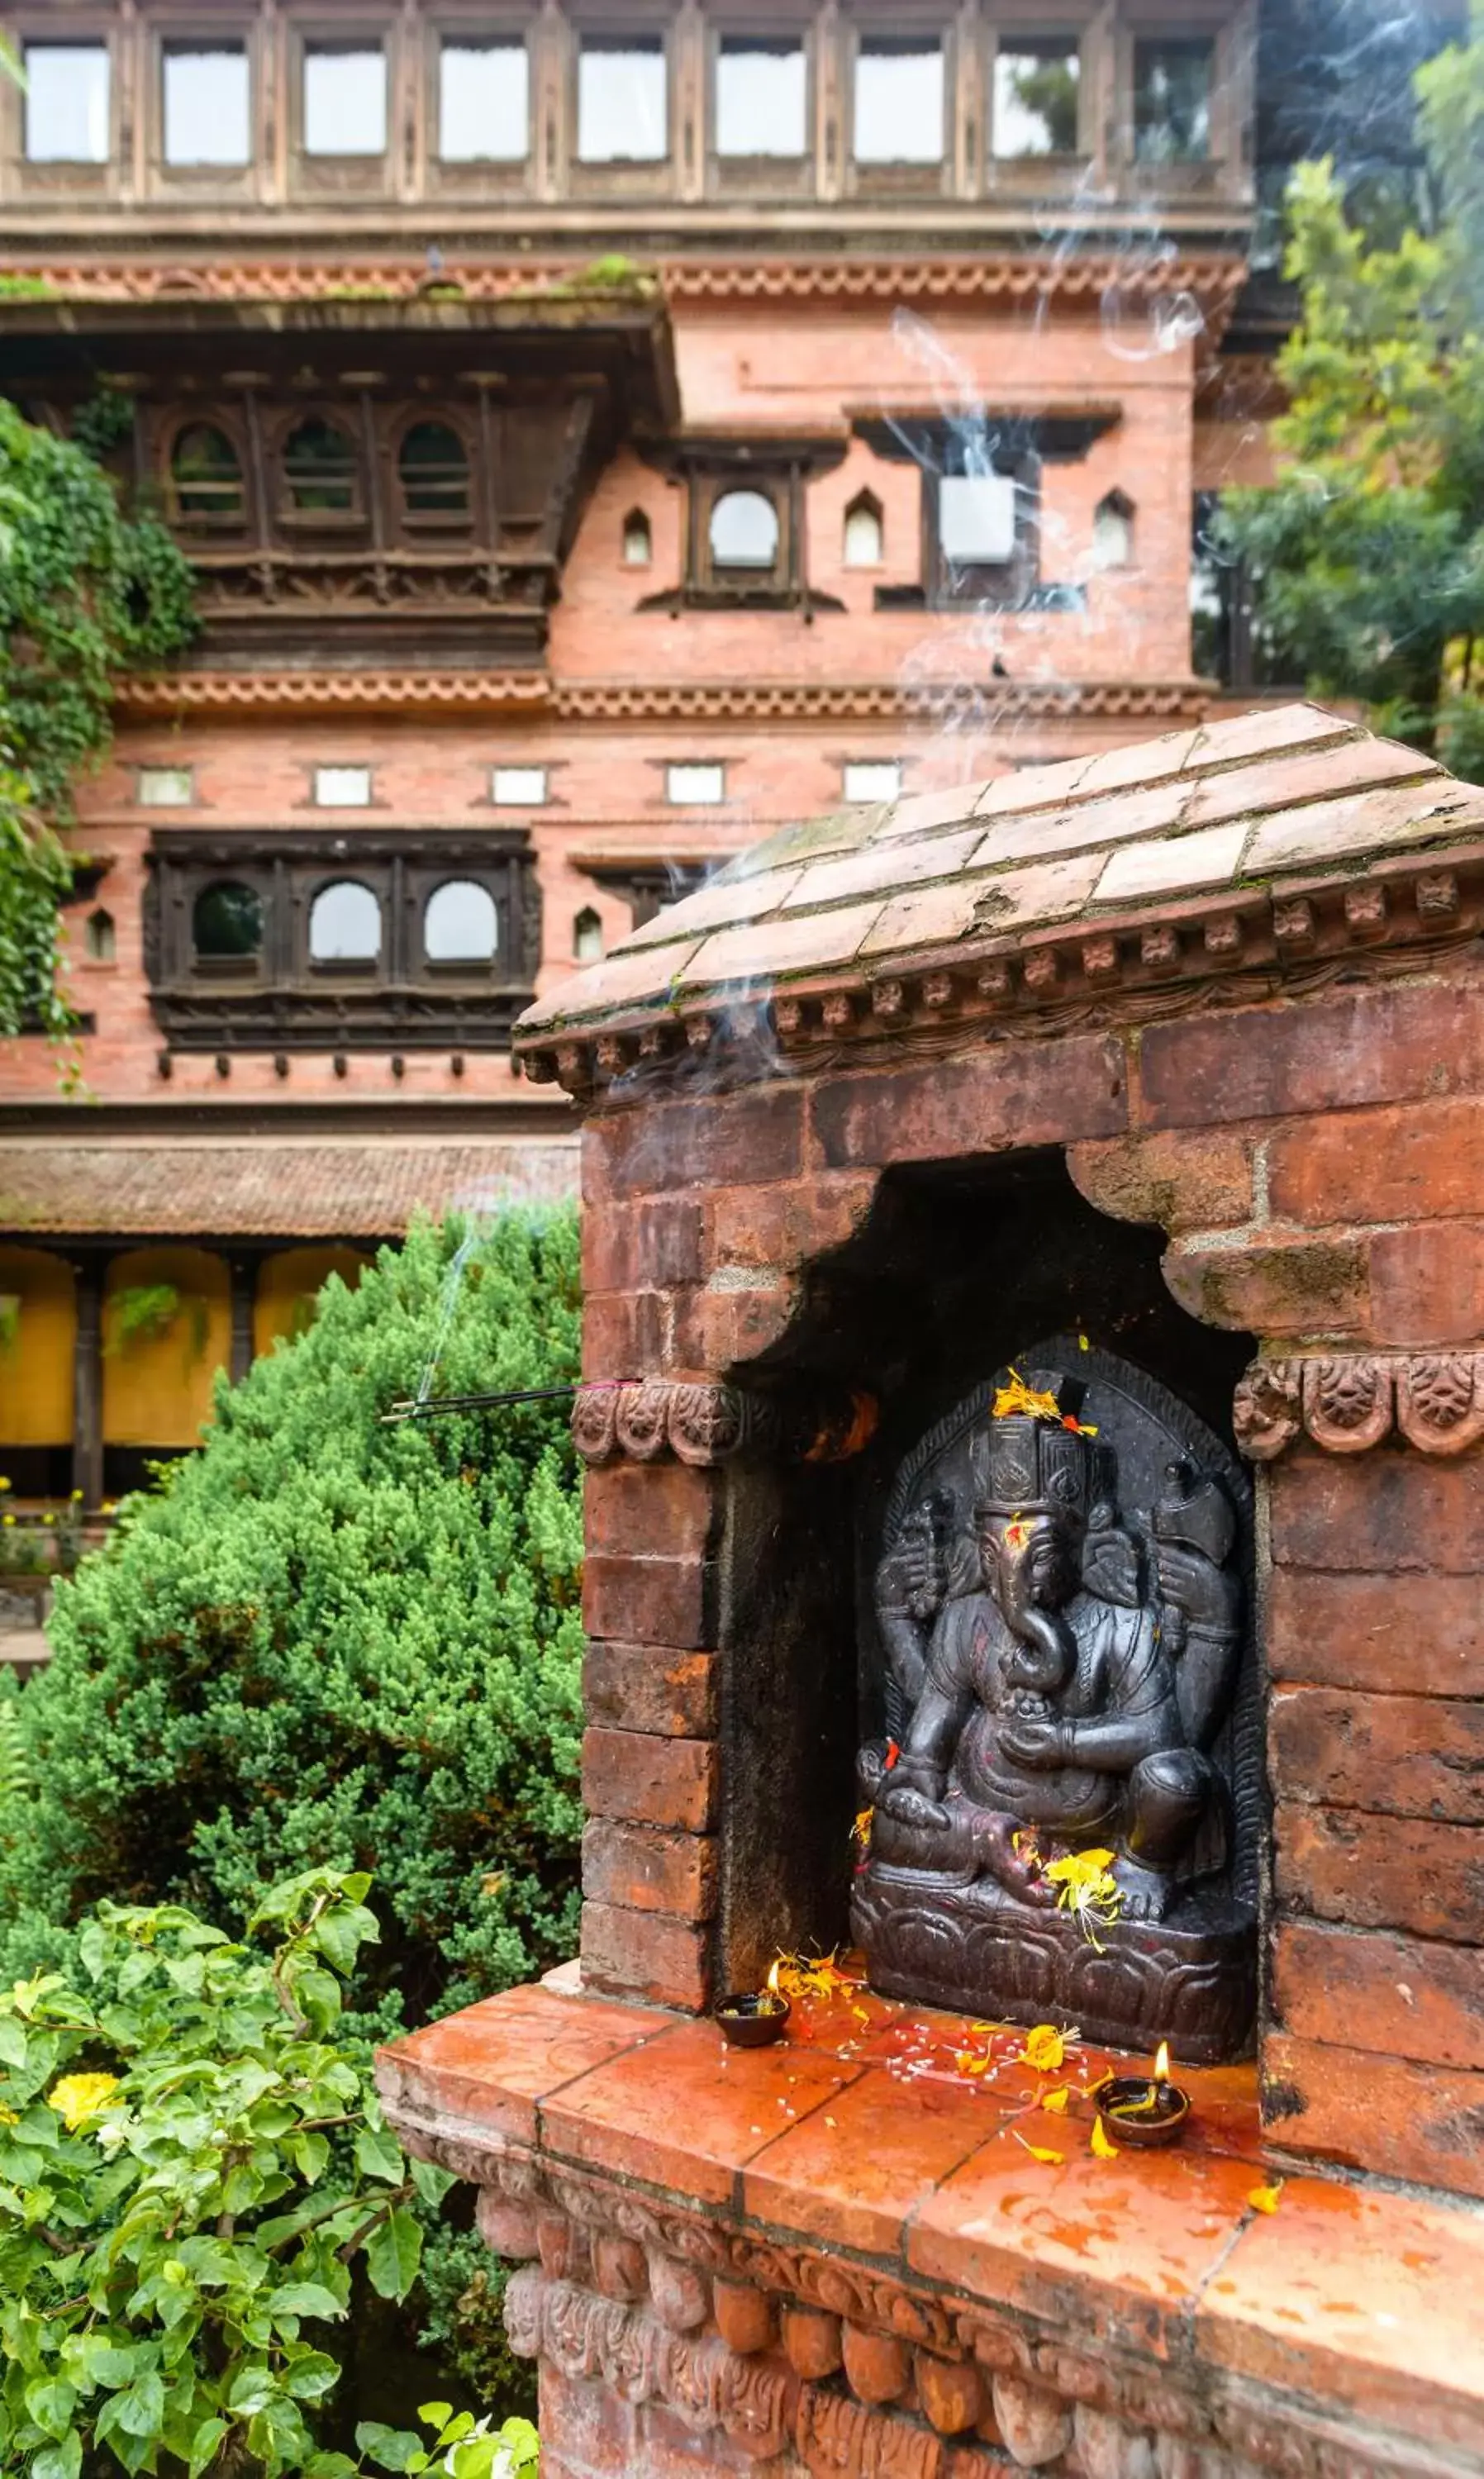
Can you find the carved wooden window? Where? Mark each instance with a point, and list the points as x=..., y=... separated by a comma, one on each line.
x=68, y=107
x=1035, y=97
x=744, y=534
x=744, y=530
x=980, y=506
x=207, y=490
x=207, y=103
x=226, y=927
x=460, y=923
x=432, y=471
x=345, y=924
x=900, y=110
x=622, y=99
x=344, y=99
x=761, y=98
x=1172, y=84
x=483, y=102
x=332, y=939
x=322, y=474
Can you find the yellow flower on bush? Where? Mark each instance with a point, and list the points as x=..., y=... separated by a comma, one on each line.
x=78, y=2097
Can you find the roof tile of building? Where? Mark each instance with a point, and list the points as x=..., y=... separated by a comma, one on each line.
x=179, y=1188
x=1241, y=845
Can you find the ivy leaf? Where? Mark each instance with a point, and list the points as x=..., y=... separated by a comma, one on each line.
x=306, y=2298
x=310, y=2377
x=392, y=2254
x=203, y=2448
x=142, y=2408
x=390, y=2448
x=432, y=2183
x=60, y=2460
x=50, y=2401
x=379, y=2154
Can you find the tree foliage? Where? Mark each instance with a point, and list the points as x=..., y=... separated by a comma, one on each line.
x=85, y=594
x=327, y=1642
x=1368, y=553
x=190, y=2167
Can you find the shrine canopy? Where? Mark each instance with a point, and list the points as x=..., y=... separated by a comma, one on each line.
x=1261, y=851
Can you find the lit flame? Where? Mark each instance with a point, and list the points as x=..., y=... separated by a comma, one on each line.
x=773, y=1987
x=1162, y=2063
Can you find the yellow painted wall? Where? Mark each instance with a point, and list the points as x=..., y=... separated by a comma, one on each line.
x=157, y=1388
x=35, y=1366
x=291, y=1278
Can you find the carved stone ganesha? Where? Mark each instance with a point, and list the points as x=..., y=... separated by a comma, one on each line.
x=1065, y=1806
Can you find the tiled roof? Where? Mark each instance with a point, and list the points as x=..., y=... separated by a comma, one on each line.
x=1273, y=839
x=273, y=1187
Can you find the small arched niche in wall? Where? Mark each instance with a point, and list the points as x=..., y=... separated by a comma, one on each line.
x=99, y=941
x=587, y=937
x=863, y=545
x=638, y=539
x=1113, y=531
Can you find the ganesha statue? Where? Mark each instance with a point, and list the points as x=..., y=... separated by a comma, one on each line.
x=1063, y=1807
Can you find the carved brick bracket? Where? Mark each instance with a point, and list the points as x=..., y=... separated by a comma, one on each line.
x=782, y=2349
x=1350, y=1402
x=704, y=1423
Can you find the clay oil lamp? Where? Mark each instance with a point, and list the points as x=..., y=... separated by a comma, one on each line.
x=1145, y=2111
x=756, y=2018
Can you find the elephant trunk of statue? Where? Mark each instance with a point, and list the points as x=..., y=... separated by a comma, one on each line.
x=1048, y=1655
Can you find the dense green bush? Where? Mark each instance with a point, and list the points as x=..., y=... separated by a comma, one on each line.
x=326, y=1641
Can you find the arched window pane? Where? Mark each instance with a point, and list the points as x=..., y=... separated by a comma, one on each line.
x=587, y=937
x=863, y=535
x=460, y=925
x=318, y=467
x=98, y=937
x=638, y=541
x=744, y=530
x=1113, y=532
x=227, y=920
x=345, y=924
x=434, y=471
x=206, y=475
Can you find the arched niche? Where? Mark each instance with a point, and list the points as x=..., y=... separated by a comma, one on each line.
x=958, y=1267
x=288, y=1285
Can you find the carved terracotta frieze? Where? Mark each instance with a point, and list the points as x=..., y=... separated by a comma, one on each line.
x=1347, y=1403
x=622, y=2292
x=703, y=1423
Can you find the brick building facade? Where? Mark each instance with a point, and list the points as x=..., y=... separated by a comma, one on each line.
x=601, y=437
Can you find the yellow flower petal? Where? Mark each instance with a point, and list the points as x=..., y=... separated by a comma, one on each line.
x=1055, y=2102
x=1103, y=2146
x=1264, y=2199
x=1043, y=2049
x=1040, y=2152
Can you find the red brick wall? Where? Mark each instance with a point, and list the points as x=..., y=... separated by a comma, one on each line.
x=1316, y=1161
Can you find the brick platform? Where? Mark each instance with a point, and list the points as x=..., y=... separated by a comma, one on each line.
x=837, y=2256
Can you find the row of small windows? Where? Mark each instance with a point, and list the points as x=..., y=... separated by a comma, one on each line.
x=761, y=104
x=690, y=783
x=319, y=473
x=460, y=923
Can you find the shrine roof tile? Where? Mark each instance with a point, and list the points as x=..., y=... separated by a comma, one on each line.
x=1181, y=821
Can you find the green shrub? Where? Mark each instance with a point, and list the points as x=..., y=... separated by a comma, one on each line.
x=192, y=2166
x=327, y=1643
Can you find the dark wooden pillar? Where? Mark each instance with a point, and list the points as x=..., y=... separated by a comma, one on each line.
x=244, y=1284
x=87, y=1384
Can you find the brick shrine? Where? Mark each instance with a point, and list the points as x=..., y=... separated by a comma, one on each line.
x=1182, y=1045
